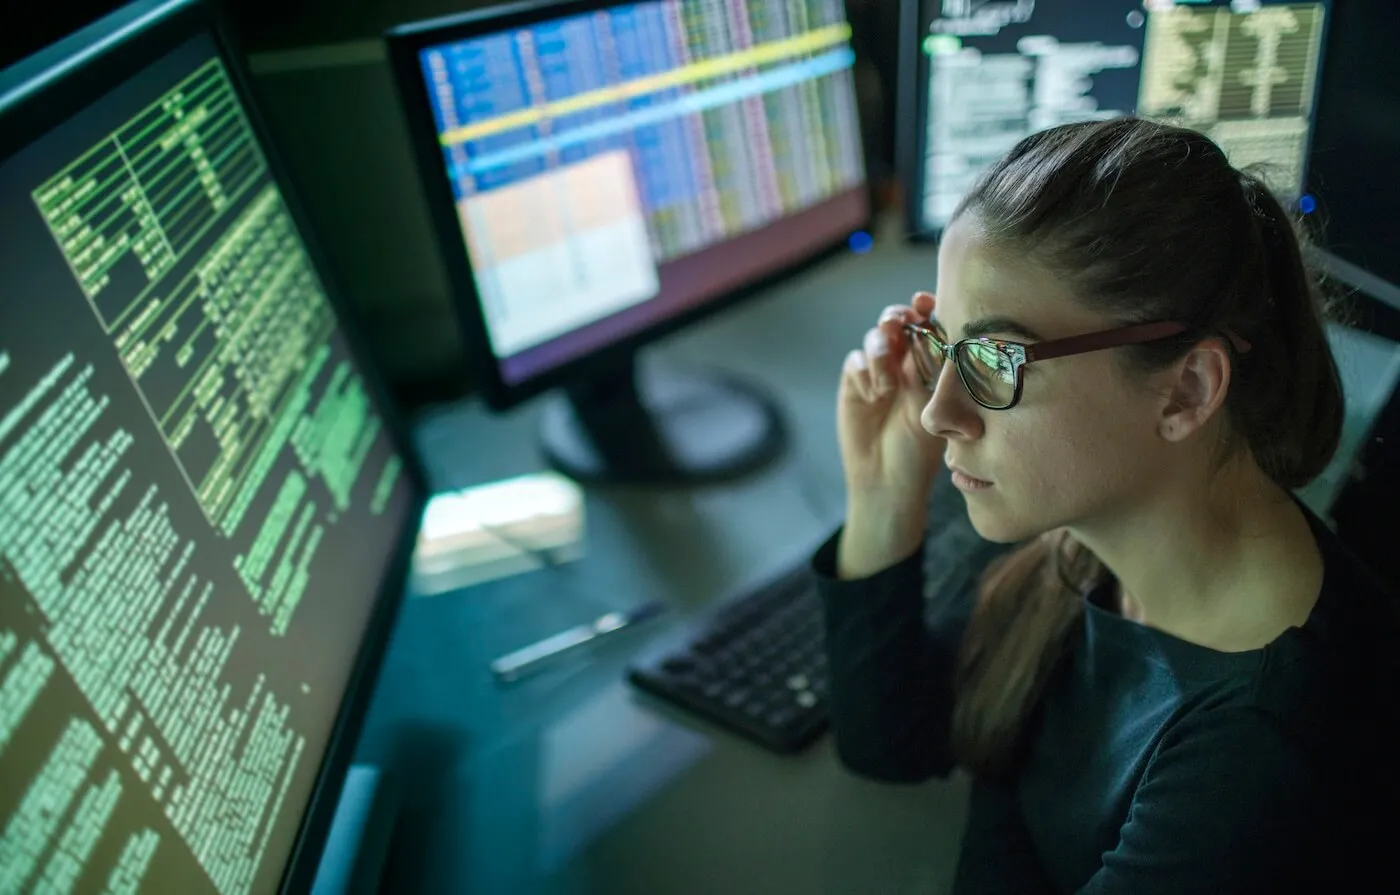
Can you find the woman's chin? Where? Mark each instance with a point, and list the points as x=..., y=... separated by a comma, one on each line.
x=996, y=525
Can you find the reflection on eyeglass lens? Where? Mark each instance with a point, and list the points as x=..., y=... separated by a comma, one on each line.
x=988, y=372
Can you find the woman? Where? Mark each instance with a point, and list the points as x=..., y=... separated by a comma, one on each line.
x=1179, y=681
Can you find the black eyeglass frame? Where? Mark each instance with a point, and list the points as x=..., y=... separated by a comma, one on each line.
x=1019, y=354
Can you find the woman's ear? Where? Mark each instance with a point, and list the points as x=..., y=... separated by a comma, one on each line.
x=1199, y=383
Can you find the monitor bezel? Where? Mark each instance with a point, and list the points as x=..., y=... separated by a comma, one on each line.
x=1347, y=265
x=911, y=100
x=911, y=131
x=148, y=29
x=404, y=43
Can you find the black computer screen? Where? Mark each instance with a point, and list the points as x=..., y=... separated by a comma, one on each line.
x=984, y=75
x=198, y=497
x=1354, y=169
x=610, y=169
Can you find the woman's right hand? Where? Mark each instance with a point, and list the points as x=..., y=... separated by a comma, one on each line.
x=889, y=459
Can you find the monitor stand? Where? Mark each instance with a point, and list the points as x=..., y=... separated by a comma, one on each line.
x=357, y=844
x=627, y=426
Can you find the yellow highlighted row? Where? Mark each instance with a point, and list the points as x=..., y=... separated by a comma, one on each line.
x=808, y=42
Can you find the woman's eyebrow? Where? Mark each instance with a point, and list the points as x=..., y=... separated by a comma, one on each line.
x=986, y=325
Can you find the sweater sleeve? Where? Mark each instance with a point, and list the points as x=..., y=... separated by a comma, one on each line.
x=892, y=642
x=891, y=683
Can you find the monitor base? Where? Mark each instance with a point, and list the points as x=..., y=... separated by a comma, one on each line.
x=666, y=429
x=357, y=844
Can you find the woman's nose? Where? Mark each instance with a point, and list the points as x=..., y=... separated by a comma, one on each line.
x=950, y=411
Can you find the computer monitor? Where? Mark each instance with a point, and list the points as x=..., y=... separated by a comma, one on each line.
x=206, y=506
x=602, y=173
x=1354, y=168
x=977, y=77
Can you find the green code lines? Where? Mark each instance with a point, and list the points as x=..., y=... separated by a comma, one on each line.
x=152, y=188
x=218, y=355
x=384, y=488
x=280, y=596
x=190, y=259
x=334, y=440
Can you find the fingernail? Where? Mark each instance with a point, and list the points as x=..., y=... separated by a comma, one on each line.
x=878, y=344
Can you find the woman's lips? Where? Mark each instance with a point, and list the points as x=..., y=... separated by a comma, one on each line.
x=965, y=482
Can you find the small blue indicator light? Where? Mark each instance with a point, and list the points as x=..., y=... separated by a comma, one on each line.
x=860, y=242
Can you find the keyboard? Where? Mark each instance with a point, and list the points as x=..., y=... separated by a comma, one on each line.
x=756, y=665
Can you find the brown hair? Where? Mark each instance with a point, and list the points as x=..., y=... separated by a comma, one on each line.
x=1147, y=222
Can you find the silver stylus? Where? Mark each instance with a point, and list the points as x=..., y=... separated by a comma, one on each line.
x=515, y=664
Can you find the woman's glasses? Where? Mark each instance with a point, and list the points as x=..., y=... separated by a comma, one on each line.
x=990, y=369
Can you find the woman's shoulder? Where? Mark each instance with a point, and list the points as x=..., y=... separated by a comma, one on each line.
x=1357, y=618
x=1337, y=679
x=1336, y=689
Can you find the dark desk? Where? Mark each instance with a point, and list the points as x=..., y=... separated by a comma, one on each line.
x=572, y=782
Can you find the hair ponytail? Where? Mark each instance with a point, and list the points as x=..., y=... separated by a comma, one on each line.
x=1147, y=222
x=1292, y=422
x=1027, y=607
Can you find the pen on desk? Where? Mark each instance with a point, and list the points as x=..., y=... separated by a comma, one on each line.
x=515, y=664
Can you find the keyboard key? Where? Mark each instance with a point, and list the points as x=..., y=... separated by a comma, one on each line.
x=781, y=717
x=757, y=666
x=679, y=665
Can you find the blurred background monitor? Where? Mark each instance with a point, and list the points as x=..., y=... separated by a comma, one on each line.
x=600, y=174
x=1356, y=147
x=206, y=507
x=977, y=77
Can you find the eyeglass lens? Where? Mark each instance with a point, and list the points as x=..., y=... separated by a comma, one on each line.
x=987, y=373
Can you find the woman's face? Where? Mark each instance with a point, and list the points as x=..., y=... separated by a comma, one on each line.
x=1082, y=444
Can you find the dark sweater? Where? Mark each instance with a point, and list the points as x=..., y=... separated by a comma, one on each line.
x=1151, y=764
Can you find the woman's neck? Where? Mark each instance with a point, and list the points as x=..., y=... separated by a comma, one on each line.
x=1230, y=565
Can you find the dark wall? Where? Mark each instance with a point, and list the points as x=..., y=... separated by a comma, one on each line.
x=23, y=34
